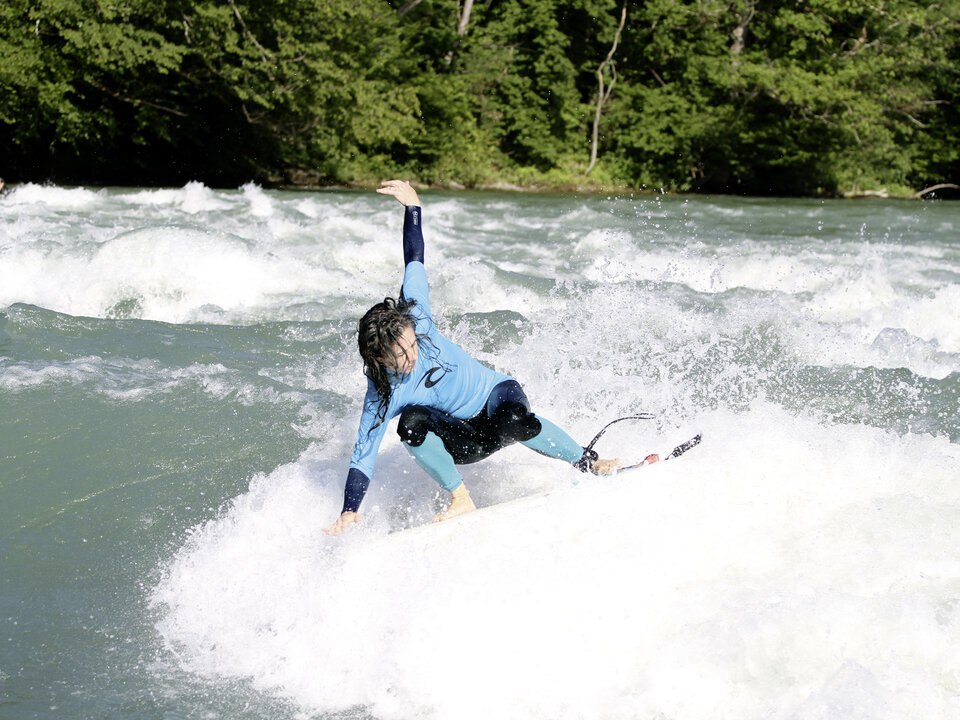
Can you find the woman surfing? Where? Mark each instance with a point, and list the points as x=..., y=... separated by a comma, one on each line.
x=453, y=410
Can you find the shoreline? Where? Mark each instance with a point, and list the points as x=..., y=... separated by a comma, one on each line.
x=952, y=192
x=300, y=180
x=941, y=191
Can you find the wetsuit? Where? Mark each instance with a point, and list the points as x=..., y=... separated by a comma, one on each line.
x=453, y=409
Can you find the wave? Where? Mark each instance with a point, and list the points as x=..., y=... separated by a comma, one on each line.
x=752, y=578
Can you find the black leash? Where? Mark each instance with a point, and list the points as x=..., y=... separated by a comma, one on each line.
x=641, y=416
x=585, y=463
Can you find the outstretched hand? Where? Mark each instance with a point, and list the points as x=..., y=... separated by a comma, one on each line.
x=606, y=467
x=343, y=522
x=401, y=190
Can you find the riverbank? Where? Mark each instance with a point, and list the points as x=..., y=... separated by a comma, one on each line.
x=564, y=183
x=941, y=191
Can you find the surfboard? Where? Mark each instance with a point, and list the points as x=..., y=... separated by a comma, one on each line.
x=527, y=503
x=655, y=457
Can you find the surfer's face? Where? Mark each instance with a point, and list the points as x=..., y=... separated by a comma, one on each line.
x=402, y=357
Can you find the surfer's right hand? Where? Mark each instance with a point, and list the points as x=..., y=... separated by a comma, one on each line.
x=606, y=467
x=343, y=522
x=401, y=190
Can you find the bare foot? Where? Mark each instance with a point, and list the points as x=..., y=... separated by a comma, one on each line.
x=605, y=467
x=343, y=522
x=460, y=504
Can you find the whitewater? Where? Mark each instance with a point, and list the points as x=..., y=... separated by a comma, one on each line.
x=180, y=391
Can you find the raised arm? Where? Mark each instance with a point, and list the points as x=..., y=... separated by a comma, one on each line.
x=368, y=443
x=412, y=229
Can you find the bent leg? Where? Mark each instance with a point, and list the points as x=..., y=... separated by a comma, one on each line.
x=417, y=431
x=554, y=442
x=438, y=442
x=433, y=457
x=511, y=420
x=461, y=439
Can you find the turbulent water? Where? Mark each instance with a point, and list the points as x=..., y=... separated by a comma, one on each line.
x=180, y=388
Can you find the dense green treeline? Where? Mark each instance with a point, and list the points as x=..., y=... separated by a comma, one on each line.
x=799, y=97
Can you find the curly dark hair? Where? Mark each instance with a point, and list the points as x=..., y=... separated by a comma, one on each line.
x=377, y=332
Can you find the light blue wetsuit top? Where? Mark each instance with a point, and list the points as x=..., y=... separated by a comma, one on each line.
x=445, y=377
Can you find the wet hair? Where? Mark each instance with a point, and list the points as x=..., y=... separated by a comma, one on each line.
x=377, y=332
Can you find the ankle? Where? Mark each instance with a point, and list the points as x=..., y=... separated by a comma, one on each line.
x=586, y=461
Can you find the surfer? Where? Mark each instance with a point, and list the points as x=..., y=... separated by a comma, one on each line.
x=453, y=410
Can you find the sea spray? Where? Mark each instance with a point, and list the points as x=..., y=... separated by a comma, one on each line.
x=746, y=580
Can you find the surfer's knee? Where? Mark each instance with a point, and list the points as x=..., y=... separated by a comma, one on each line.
x=415, y=422
x=516, y=423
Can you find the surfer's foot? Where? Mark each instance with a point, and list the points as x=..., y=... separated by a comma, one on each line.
x=605, y=467
x=461, y=504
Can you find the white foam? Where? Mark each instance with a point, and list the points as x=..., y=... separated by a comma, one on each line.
x=170, y=273
x=53, y=197
x=776, y=570
x=831, y=310
x=156, y=262
x=934, y=318
x=192, y=198
x=260, y=204
x=24, y=376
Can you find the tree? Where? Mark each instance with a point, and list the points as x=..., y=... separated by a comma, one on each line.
x=223, y=91
x=750, y=96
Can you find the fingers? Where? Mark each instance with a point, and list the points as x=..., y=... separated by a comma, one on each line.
x=401, y=190
x=392, y=187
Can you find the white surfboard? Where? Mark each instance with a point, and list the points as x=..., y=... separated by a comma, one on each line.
x=529, y=503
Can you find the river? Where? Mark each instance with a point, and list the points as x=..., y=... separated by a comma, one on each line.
x=180, y=390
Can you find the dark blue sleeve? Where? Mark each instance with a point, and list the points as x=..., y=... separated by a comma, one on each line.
x=412, y=235
x=355, y=489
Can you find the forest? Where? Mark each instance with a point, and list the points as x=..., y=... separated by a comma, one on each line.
x=796, y=98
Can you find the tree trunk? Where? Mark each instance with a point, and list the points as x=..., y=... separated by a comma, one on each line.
x=410, y=5
x=603, y=94
x=463, y=19
x=740, y=31
x=933, y=188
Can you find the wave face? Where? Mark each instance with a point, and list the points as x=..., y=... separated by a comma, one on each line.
x=180, y=388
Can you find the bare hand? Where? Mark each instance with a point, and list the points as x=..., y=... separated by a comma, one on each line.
x=343, y=522
x=401, y=190
x=606, y=467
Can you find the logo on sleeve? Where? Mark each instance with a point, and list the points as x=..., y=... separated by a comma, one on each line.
x=429, y=380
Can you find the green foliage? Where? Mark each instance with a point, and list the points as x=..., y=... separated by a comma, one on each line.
x=804, y=97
